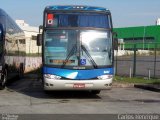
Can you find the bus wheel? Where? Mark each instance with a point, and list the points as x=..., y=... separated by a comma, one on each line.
x=95, y=92
x=4, y=80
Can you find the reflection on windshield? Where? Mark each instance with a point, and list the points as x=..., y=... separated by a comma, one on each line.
x=59, y=46
x=99, y=46
x=89, y=48
x=71, y=53
x=89, y=56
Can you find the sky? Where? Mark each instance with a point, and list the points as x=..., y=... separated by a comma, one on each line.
x=125, y=13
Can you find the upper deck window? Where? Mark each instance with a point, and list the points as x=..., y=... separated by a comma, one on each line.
x=78, y=20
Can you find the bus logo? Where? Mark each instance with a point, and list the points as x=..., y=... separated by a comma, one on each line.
x=106, y=72
x=83, y=61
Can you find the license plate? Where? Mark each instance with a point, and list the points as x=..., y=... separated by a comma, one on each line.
x=79, y=85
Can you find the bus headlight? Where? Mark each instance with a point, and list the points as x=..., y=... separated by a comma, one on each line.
x=103, y=77
x=49, y=76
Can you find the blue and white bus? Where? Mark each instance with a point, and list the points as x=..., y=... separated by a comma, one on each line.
x=12, y=49
x=77, y=48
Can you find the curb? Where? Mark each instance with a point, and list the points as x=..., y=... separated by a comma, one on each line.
x=155, y=88
x=122, y=85
x=151, y=87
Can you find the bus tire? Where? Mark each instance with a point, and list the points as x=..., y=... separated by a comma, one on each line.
x=4, y=80
x=95, y=92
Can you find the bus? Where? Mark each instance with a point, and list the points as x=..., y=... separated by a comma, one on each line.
x=77, y=48
x=12, y=49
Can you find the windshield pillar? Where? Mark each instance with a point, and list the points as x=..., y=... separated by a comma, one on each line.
x=78, y=49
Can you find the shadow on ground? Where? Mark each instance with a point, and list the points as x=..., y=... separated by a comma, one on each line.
x=31, y=86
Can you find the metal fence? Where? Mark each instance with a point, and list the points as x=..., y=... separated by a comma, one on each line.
x=140, y=59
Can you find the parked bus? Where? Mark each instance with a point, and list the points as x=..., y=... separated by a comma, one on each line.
x=12, y=49
x=77, y=48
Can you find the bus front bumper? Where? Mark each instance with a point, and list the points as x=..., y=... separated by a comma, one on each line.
x=52, y=84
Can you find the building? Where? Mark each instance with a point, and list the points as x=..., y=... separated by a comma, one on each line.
x=33, y=58
x=158, y=21
x=30, y=35
x=144, y=36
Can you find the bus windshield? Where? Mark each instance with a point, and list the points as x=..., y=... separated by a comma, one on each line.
x=77, y=48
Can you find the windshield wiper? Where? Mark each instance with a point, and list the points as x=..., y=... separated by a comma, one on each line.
x=89, y=56
x=69, y=55
x=87, y=53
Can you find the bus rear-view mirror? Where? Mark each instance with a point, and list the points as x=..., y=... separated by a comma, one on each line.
x=39, y=39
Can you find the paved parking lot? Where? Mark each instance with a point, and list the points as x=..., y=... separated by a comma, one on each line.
x=27, y=97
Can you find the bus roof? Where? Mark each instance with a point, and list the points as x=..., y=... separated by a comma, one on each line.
x=76, y=7
x=2, y=12
x=10, y=22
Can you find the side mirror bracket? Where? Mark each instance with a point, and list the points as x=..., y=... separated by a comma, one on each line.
x=39, y=39
x=39, y=36
x=115, y=44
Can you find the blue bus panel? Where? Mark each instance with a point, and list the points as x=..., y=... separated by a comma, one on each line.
x=78, y=74
x=85, y=8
